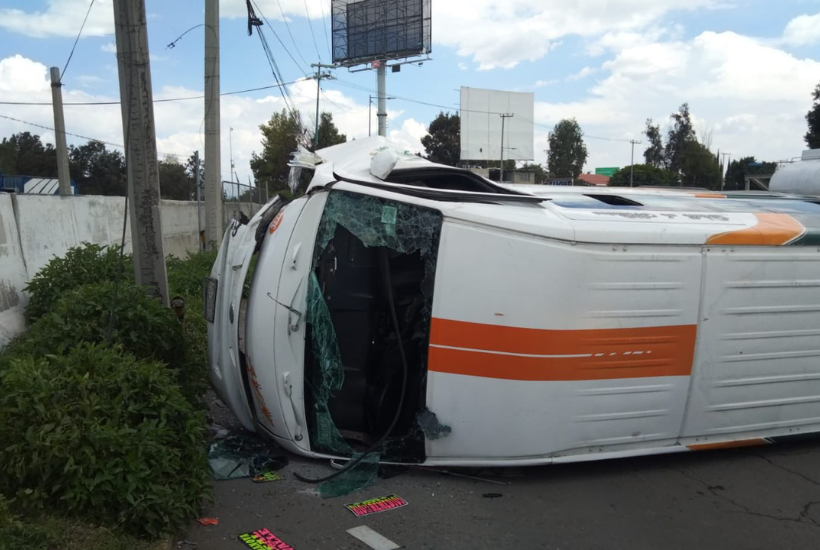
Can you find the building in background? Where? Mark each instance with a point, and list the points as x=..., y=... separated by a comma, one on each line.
x=594, y=180
x=32, y=185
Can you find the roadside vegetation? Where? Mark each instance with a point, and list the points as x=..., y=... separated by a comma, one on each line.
x=101, y=418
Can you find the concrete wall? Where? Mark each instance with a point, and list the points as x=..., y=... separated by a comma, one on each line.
x=36, y=228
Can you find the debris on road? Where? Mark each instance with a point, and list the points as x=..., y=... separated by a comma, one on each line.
x=372, y=538
x=376, y=505
x=242, y=455
x=492, y=495
x=266, y=477
x=208, y=521
x=263, y=539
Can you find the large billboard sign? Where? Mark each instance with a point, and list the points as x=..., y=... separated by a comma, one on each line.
x=481, y=124
x=367, y=30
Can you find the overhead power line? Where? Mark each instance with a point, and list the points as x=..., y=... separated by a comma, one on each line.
x=253, y=6
x=312, y=34
x=117, y=145
x=79, y=34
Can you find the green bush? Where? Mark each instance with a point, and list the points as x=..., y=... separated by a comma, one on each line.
x=142, y=325
x=89, y=263
x=99, y=433
x=185, y=276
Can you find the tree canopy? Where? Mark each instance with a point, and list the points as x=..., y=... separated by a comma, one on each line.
x=97, y=170
x=654, y=153
x=541, y=175
x=25, y=155
x=442, y=143
x=281, y=136
x=739, y=169
x=812, y=137
x=174, y=181
x=644, y=175
x=680, y=134
x=328, y=133
x=699, y=167
x=567, y=152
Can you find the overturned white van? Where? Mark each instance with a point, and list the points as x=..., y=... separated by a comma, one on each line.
x=447, y=320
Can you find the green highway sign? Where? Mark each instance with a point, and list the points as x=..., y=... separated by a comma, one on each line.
x=609, y=172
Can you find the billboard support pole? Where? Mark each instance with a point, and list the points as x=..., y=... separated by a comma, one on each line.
x=503, y=118
x=381, y=77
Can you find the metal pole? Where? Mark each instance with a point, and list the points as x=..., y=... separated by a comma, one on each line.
x=59, y=132
x=632, y=163
x=318, y=90
x=213, y=152
x=140, y=145
x=369, y=116
x=382, y=88
x=503, y=118
x=198, y=185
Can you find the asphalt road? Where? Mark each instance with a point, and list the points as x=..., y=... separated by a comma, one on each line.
x=755, y=498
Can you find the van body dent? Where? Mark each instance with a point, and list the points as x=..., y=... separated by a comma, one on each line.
x=488, y=325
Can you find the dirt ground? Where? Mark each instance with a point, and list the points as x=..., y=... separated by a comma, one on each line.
x=755, y=498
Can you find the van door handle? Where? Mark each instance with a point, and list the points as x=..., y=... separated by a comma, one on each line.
x=289, y=393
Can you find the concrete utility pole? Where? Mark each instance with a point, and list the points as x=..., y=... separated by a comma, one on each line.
x=59, y=132
x=213, y=150
x=319, y=76
x=370, y=113
x=503, y=118
x=140, y=145
x=632, y=162
x=381, y=81
x=722, y=176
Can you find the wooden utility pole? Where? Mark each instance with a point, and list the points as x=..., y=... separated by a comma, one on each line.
x=213, y=150
x=59, y=132
x=140, y=145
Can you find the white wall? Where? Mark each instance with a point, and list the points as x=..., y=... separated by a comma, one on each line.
x=36, y=228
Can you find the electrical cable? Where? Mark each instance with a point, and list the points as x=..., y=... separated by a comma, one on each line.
x=327, y=37
x=312, y=34
x=117, y=145
x=166, y=100
x=388, y=280
x=71, y=54
x=265, y=19
x=173, y=43
x=287, y=26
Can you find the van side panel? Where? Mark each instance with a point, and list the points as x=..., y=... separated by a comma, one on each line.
x=541, y=348
x=757, y=367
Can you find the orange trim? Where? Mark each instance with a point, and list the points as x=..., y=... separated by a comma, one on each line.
x=492, y=351
x=728, y=444
x=709, y=196
x=771, y=229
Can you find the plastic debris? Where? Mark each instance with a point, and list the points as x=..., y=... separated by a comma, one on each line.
x=263, y=538
x=376, y=505
x=241, y=455
x=266, y=477
x=208, y=521
x=372, y=538
x=429, y=424
x=492, y=495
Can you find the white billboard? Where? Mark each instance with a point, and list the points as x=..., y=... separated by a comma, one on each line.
x=481, y=121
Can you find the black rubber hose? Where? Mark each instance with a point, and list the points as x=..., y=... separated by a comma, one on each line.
x=385, y=271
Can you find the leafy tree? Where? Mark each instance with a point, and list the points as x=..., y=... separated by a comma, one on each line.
x=699, y=167
x=541, y=175
x=568, y=153
x=813, y=118
x=98, y=171
x=654, y=154
x=280, y=137
x=739, y=169
x=681, y=133
x=174, y=182
x=328, y=133
x=190, y=169
x=24, y=154
x=443, y=140
x=644, y=175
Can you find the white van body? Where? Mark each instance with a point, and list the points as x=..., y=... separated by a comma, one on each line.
x=539, y=324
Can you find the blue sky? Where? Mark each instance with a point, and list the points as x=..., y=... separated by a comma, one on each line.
x=746, y=67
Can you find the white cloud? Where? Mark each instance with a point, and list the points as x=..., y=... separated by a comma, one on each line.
x=179, y=126
x=109, y=47
x=803, y=30
x=60, y=18
x=582, y=74
x=463, y=67
x=752, y=95
x=271, y=8
x=504, y=34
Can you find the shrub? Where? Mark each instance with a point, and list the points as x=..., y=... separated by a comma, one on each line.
x=89, y=263
x=98, y=432
x=185, y=276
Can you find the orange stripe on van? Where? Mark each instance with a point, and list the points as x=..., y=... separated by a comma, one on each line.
x=728, y=444
x=771, y=229
x=512, y=353
x=709, y=196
